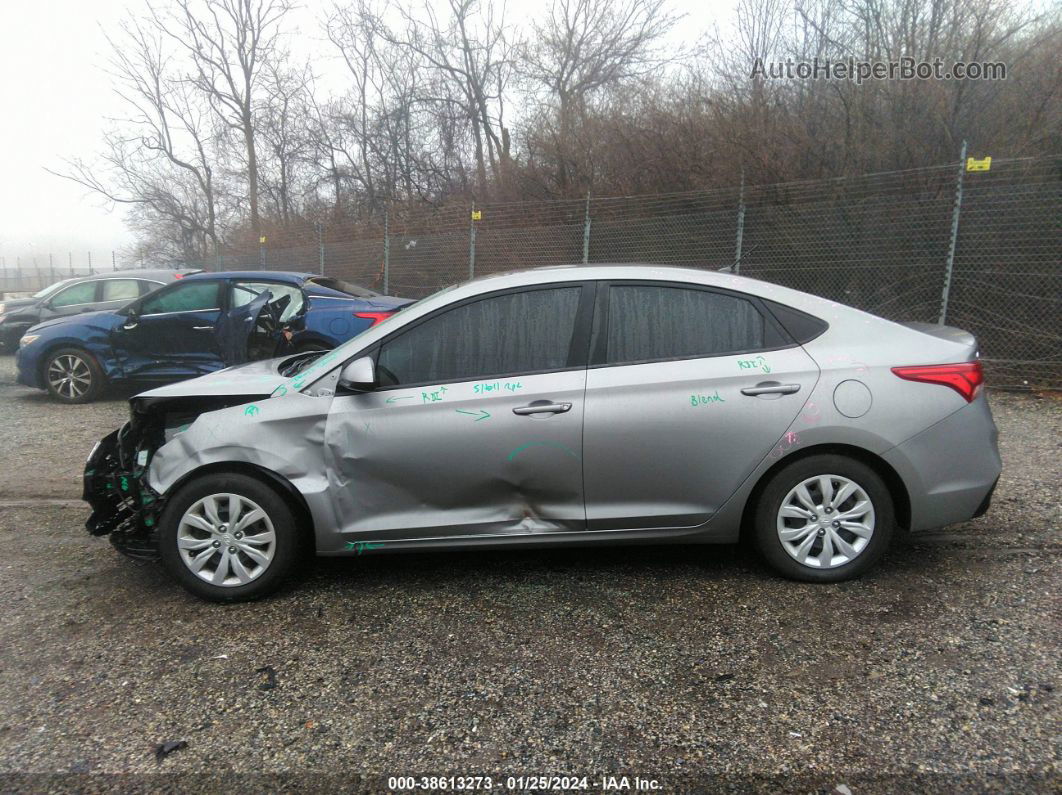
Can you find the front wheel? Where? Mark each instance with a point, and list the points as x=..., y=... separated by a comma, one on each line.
x=73, y=376
x=825, y=518
x=228, y=538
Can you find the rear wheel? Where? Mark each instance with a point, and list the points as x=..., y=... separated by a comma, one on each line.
x=825, y=518
x=228, y=538
x=73, y=376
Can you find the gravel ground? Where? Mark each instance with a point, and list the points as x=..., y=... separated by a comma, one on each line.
x=691, y=665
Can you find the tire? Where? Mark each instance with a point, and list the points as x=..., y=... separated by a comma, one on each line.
x=187, y=520
x=809, y=536
x=72, y=375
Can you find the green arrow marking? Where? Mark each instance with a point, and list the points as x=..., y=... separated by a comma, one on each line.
x=479, y=415
x=404, y=397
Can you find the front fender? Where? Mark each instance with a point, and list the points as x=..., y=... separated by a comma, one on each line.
x=282, y=435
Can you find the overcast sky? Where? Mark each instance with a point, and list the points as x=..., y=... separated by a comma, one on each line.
x=57, y=97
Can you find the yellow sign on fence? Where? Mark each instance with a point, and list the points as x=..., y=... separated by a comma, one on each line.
x=973, y=164
x=477, y=215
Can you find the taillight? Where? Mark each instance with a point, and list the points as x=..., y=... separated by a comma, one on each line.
x=375, y=317
x=965, y=378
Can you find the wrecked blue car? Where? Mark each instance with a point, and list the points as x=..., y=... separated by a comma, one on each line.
x=196, y=326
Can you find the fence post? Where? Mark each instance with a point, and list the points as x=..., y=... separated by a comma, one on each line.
x=90, y=263
x=51, y=268
x=586, y=231
x=387, y=251
x=740, y=224
x=320, y=248
x=472, y=243
x=70, y=261
x=114, y=262
x=955, y=212
x=217, y=255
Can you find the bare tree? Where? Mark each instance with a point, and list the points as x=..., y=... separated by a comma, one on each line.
x=160, y=159
x=283, y=132
x=472, y=50
x=229, y=43
x=584, y=46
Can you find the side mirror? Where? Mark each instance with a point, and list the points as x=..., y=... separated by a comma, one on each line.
x=131, y=318
x=359, y=375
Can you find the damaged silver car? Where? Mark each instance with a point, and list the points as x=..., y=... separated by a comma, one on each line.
x=561, y=406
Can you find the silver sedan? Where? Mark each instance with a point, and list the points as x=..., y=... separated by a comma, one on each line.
x=561, y=406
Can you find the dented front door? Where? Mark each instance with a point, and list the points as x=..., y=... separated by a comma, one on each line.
x=456, y=458
x=490, y=454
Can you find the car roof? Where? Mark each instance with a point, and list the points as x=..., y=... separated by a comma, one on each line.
x=292, y=277
x=707, y=275
x=137, y=273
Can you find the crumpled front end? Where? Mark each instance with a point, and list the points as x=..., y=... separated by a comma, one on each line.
x=123, y=504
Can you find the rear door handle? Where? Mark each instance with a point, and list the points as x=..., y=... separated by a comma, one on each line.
x=771, y=389
x=543, y=408
x=202, y=328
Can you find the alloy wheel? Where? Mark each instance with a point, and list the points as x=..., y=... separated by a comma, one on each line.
x=69, y=376
x=226, y=540
x=825, y=521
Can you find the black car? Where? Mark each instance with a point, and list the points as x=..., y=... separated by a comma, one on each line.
x=82, y=294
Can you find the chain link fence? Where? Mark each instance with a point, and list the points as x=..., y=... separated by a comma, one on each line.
x=976, y=249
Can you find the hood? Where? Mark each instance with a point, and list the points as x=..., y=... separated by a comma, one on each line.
x=102, y=319
x=253, y=379
x=10, y=304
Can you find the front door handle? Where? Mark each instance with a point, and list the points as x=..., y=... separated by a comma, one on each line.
x=543, y=408
x=202, y=328
x=771, y=388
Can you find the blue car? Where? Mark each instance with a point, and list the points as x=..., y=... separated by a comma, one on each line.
x=198, y=325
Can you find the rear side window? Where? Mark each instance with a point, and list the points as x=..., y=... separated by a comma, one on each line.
x=84, y=293
x=120, y=290
x=801, y=326
x=648, y=323
x=506, y=334
x=184, y=297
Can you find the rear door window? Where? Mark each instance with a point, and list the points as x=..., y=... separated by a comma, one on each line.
x=652, y=323
x=509, y=334
x=120, y=289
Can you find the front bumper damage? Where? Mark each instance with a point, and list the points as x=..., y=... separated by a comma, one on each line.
x=123, y=504
x=115, y=484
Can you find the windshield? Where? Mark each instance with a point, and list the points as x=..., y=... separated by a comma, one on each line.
x=51, y=288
